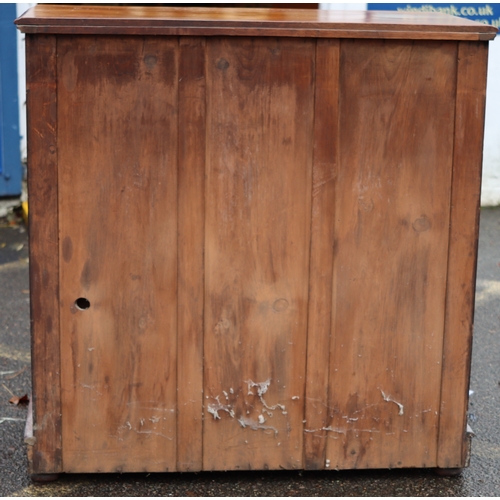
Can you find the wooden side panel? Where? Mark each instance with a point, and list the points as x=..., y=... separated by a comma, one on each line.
x=467, y=163
x=191, y=253
x=44, y=250
x=260, y=96
x=118, y=240
x=322, y=242
x=391, y=239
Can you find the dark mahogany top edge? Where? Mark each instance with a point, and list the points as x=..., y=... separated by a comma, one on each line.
x=243, y=21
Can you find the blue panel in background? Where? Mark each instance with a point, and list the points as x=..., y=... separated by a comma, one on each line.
x=486, y=13
x=10, y=154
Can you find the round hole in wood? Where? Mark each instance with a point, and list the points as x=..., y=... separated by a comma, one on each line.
x=82, y=303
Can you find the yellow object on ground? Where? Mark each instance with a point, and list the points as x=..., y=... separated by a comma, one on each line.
x=24, y=205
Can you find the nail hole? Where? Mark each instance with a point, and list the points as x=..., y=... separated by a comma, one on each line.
x=82, y=303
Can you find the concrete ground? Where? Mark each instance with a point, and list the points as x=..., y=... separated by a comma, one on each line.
x=482, y=478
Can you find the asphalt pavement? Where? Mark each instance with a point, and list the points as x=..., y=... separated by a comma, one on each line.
x=482, y=478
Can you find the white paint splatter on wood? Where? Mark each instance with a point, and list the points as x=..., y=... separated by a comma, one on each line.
x=390, y=399
x=252, y=424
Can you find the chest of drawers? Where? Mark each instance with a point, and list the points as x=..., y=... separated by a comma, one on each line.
x=253, y=237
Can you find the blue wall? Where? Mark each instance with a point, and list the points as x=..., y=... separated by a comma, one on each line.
x=10, y=156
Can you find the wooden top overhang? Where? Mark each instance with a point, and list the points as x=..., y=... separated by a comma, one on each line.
x=204, y=21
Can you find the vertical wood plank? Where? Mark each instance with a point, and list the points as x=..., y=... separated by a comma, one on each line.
x=191, y=253
x=118, y=221
x=258, y=191
x=462, y=261
x=322, y=247
x=41, y=73
x=391, y=231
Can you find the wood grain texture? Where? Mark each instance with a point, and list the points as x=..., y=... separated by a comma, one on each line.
x=326, y=147
x=391, y=238
x=41, y=74
x=191, y=228
x=259, y=154
x=462, y=261
x=118, y=237
x=203, y=21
